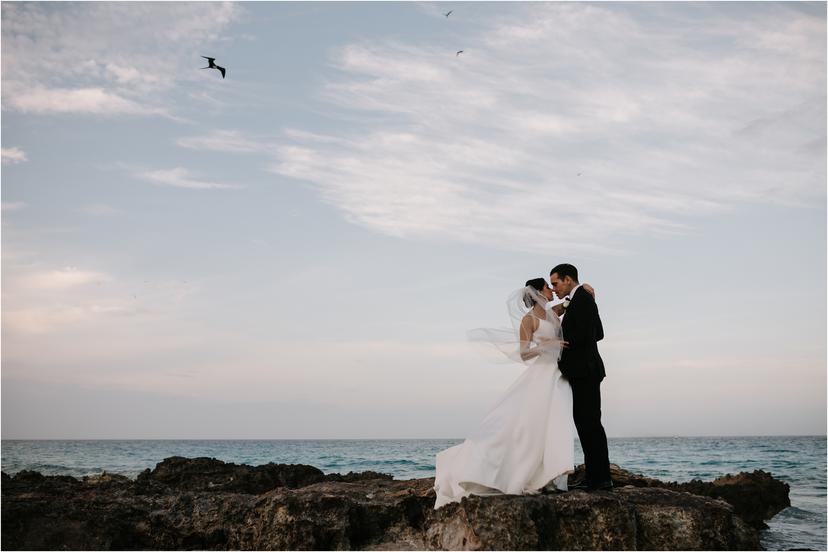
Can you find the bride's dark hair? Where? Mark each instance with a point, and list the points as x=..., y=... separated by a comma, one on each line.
x=536, y=283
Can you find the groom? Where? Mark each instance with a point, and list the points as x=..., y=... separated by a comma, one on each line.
x=581, y=364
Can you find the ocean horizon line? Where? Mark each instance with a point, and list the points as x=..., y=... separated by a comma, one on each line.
x=745, y=436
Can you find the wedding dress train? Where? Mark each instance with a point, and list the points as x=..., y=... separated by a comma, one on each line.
x=525, y=442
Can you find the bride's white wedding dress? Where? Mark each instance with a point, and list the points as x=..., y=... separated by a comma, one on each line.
x=525, y=442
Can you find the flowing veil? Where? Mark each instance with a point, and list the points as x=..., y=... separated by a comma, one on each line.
x=519, y=305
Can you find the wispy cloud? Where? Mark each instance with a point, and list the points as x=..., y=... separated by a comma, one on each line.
x=599, y=122
x=78, y=100
x=13, y=205
x=60, y=59
x=232, y=141
x=74, y=300
x=12, y=156
x=44, y=319
x=64, y=278
x=180, y=177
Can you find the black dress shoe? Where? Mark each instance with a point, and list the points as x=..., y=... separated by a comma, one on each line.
x=582, y=485
x=602, y=486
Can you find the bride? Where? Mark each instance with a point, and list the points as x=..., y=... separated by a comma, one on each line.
x=526, y=441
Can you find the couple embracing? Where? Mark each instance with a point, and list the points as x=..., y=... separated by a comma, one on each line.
x=525, y=443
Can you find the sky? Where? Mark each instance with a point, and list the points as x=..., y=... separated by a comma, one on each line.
x=299, y=250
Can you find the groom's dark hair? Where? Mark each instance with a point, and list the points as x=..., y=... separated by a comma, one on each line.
x=564, y=270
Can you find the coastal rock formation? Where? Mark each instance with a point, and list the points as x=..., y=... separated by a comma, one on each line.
x=203, y=503
x=209, y=474
x=755, y=496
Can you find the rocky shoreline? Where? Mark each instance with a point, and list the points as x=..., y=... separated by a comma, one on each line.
x=204, y=503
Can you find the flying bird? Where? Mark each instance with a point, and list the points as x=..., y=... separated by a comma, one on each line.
x=212, y=65
x=458, y=53
x=449, y=13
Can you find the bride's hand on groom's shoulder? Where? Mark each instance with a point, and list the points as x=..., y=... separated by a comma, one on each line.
x=589, y=289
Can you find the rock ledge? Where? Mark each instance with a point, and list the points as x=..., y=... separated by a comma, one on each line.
x=204, y=503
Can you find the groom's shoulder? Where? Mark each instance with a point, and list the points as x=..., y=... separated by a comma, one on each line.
x=582, y=299
x=581, y=293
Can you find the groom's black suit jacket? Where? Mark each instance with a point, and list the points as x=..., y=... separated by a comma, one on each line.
x=583, y=330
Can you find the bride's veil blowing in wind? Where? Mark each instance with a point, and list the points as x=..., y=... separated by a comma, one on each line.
x=526, y=440
x=519, y=304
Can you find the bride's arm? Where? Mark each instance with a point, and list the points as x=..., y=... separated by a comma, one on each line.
x=526, y=332
x=589, y=289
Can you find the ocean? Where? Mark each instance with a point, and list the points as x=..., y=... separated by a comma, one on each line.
x=798, y=461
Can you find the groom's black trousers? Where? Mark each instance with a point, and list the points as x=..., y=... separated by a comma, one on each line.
x=586, y=410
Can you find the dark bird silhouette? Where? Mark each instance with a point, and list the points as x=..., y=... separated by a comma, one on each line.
x=449, y=13
x=458, y=53
x=212, y=65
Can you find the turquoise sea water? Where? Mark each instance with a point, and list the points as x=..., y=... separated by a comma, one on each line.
x=799, y=461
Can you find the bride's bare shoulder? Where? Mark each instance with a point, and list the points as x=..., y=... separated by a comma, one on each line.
x=529, y=322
